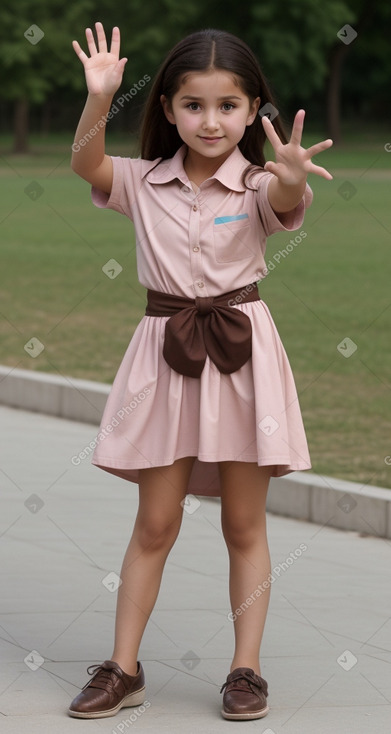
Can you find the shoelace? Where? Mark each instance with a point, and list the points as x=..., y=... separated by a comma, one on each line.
x=100, y=669
x=240, y=679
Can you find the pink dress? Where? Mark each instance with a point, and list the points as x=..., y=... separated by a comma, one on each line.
x=201, y=243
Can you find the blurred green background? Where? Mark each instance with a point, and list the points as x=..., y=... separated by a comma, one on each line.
x=334, y=285
x=331, y=56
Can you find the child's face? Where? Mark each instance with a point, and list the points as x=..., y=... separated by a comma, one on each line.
x=214, y=121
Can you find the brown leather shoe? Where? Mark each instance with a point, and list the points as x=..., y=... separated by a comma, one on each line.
x=108, y=691
x=245, y=695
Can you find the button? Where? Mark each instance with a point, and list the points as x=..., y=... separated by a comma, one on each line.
x=195, y=249
x=200, y=284
x=195, y=207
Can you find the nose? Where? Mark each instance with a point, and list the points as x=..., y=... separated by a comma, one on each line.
x=210, y=121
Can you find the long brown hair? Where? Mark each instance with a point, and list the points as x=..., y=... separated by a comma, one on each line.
x=206, y=50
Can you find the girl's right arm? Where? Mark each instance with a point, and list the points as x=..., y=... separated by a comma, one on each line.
x=103, y=71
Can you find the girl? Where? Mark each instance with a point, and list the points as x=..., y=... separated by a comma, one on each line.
x=204, y=401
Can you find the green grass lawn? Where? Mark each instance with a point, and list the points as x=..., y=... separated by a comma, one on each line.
x=333, y=285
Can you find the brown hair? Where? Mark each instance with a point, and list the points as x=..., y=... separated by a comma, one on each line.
x=206, y=50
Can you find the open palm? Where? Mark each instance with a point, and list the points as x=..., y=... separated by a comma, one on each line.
x=103, y=69
x=293, y=162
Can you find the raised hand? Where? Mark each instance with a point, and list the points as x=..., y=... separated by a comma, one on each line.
x=103, y=68
x=293, y=162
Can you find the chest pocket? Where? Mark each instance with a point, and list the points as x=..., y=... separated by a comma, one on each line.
x=231, y=238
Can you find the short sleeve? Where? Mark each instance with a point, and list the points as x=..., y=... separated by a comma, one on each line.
x=122, y=191
x=288, y=221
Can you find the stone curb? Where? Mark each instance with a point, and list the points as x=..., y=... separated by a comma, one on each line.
x=301, y=495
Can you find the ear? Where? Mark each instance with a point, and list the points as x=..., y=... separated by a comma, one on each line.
x=167, y=109
x=253, y=111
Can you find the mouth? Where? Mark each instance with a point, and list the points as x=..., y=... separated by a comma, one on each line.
x=211, y=138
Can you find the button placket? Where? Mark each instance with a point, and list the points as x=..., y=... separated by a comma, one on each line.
x=195, y=250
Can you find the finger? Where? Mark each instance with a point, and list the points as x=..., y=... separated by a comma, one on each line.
x=297, y=127
x=319, y=147
x=121, y=65
x=115, y=41
x=270, y=132
x=79, y=51
x=101, y=36
x=271, y=167
x=91, y=42
x=319, y=171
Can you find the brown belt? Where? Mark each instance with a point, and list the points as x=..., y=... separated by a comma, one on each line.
x=202, y=326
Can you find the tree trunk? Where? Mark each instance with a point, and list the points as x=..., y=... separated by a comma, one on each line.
x=334, y=93
x=337, y=58
x=46, y=118
x=21, y=125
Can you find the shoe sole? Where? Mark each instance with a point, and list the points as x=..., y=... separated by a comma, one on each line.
x=245, y=717
x=133, y=699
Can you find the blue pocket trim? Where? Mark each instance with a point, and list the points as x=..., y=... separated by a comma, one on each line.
x=234, y=218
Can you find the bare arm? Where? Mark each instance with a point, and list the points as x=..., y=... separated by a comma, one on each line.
x=284, y=198
x=88, y=157
x=103, y=72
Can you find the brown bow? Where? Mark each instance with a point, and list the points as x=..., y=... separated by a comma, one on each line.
x=202, y=326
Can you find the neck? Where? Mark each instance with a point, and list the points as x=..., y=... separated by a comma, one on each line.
x=199, y=168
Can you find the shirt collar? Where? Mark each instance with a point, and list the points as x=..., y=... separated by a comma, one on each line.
x=229, y=173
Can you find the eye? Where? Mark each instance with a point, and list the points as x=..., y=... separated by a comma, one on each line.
x=225, y=105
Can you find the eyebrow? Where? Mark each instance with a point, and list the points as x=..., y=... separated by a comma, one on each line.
x=227, y=96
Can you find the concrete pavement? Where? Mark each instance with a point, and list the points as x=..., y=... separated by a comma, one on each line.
x=303, y=495
x=326, y=650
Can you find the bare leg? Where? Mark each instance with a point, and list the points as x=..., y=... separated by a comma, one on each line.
x=243, y=521
x=158, y=521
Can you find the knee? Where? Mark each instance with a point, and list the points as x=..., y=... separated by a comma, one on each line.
x=242, y=532
x=156, y=533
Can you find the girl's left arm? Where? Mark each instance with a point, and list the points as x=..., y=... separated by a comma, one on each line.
x=292, y=165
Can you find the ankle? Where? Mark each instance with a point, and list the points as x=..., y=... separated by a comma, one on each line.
x=254, y=666
x=127, y=667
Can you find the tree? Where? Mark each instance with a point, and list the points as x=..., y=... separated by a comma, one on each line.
x=296, y=43
x=361, y=16
x=293, y=41
x=35, y=54
x=360, y=72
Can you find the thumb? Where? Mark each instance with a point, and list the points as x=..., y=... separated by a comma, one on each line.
x=121, y=65
x=271, y=167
